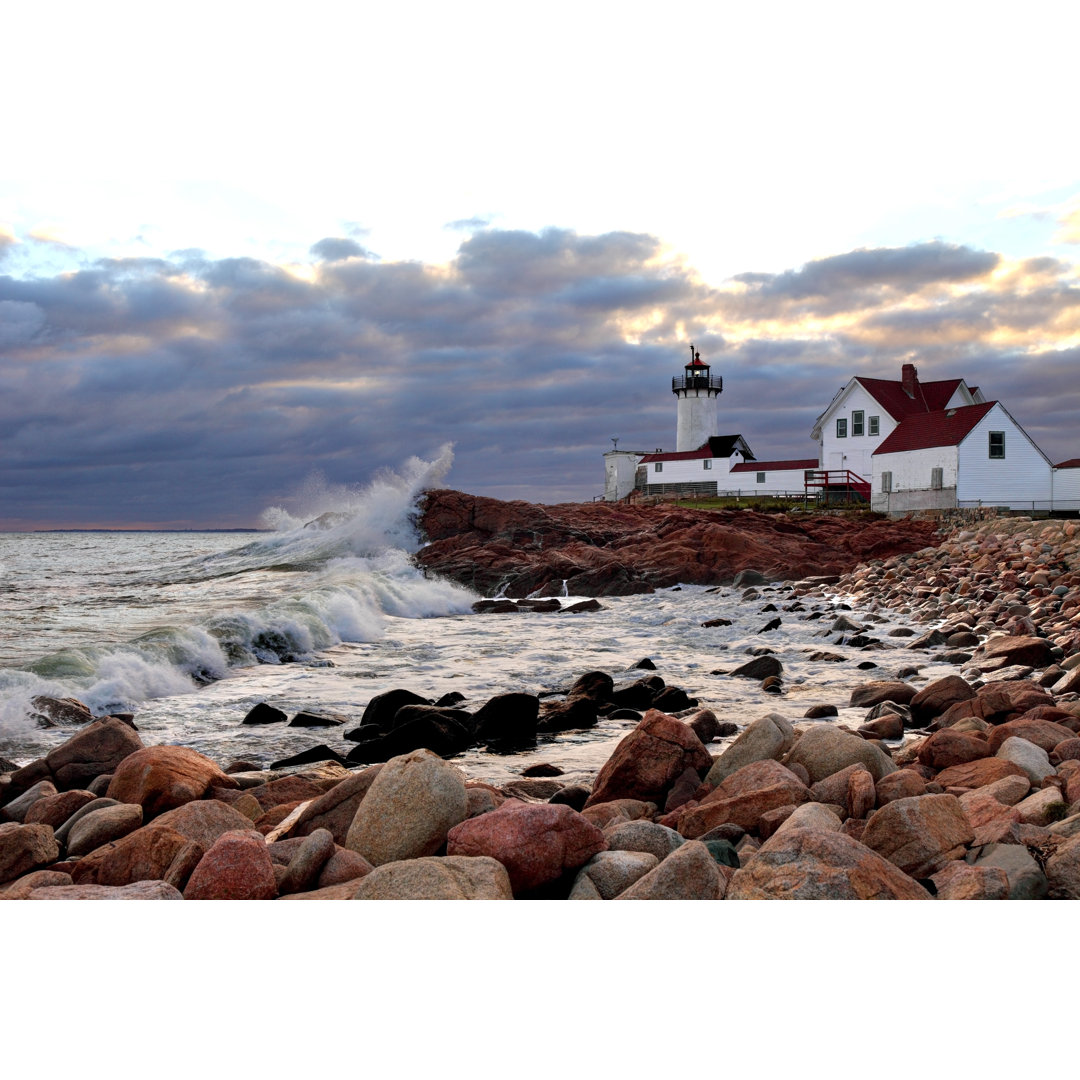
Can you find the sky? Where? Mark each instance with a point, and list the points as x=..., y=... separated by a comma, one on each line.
x=248, y=251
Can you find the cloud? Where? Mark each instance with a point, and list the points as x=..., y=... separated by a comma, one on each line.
x=201, y=390
x=470, y=224
x=336, y=248
x=1069, y=222
x=50, y=234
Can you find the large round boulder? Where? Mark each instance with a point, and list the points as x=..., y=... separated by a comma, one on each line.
x=236, y=867
x=414, y=801
x=160, y=778
x=448, y=878
x=823, y=750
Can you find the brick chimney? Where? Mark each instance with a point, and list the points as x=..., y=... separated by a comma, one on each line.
x=909, y=379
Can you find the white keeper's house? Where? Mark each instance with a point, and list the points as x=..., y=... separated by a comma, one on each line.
x=901, y=445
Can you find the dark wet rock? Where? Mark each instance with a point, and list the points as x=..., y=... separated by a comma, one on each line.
x=568, y=715
x=448, y=701
x=264, y=714
x=772, y=624
x=382, y=709
x=62, y=710
x=543, y=768
x=673, y=699
x=820, y=712
x=760, y=667
x=307, y=719
x=637, y=694
x=507, y=720
x=573, y=795
x=321, y=752
x=717, y=622
x=582, y=606
x=242, y=765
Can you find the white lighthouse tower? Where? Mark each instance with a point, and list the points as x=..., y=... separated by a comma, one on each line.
x=697, y=392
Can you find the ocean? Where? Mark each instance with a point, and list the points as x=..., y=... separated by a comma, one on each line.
x=188, y=631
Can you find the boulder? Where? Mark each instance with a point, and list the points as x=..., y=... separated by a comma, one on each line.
x=761, y=667
x=1044, y=733
x=770, y=736
x=936, y=698
x=448, y=878
x=1026, y=880
x=874, y=693
x=139, y=890
x=609, y=873
x=204, y=821
x=949, y=747
x=236, y=866
x=643, y=836
x=305, y=866
x=24, y=848
x=921, y=834
x=1042, y=808
x=1063, y=871
x=147, y=854
x=160, y=778
x=901, y=784
x=824, y=749
x=608, y=813
x=343, y=866
x=649, y=760
x=817, y=864
x=976, y=774
x=54, y=810
x=95, y=750
x=688, y=873
x=264, y=714
x=285, y=790
x=1035, y=652
x=744, y=797
x=18, y=808
x=536, y=842
x=414, y=801
x=959, y=881
x=335, y=809
x=101, y=827
x=21, y=888
x=812, y=815
x=1034, y=760
x=507, y=720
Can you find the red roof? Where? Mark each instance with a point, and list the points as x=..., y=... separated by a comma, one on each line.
x=1072, y=463
x=775, y=466
x=943, y=427
x=929, y=396
x=718, y=446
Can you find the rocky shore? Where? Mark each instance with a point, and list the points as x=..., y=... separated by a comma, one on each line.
x=518, y=549
x=965, y=786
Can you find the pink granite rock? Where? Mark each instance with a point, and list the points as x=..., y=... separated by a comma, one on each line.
x=649, y=760
x=921, y=834
x=160, y=778
x=24, y=848
x=812, y=864
x=537, y=843
x=236, y=867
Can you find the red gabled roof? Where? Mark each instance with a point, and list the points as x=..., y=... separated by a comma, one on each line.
x=718, y=446
x=1072, y=463
x=943, y=427
x=929, y=396
x=775, y=466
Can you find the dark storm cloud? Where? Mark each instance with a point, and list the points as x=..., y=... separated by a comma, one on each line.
x=905, y=268
x=336, y=248
x=201, y=390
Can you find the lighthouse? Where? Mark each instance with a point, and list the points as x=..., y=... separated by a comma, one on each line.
x=697, y=392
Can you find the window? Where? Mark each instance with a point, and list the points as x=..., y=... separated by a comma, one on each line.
x=761, y=478
x=659, y=467
x=857, y=422
x=841, y=427
x=875, y=425
x=707, y=463
x=886, y=482
x=935, y=479
x=808, y=475
x=997, y=444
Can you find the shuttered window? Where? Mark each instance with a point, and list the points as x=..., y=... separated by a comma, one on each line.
x=935, y=479
x=886, y=482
